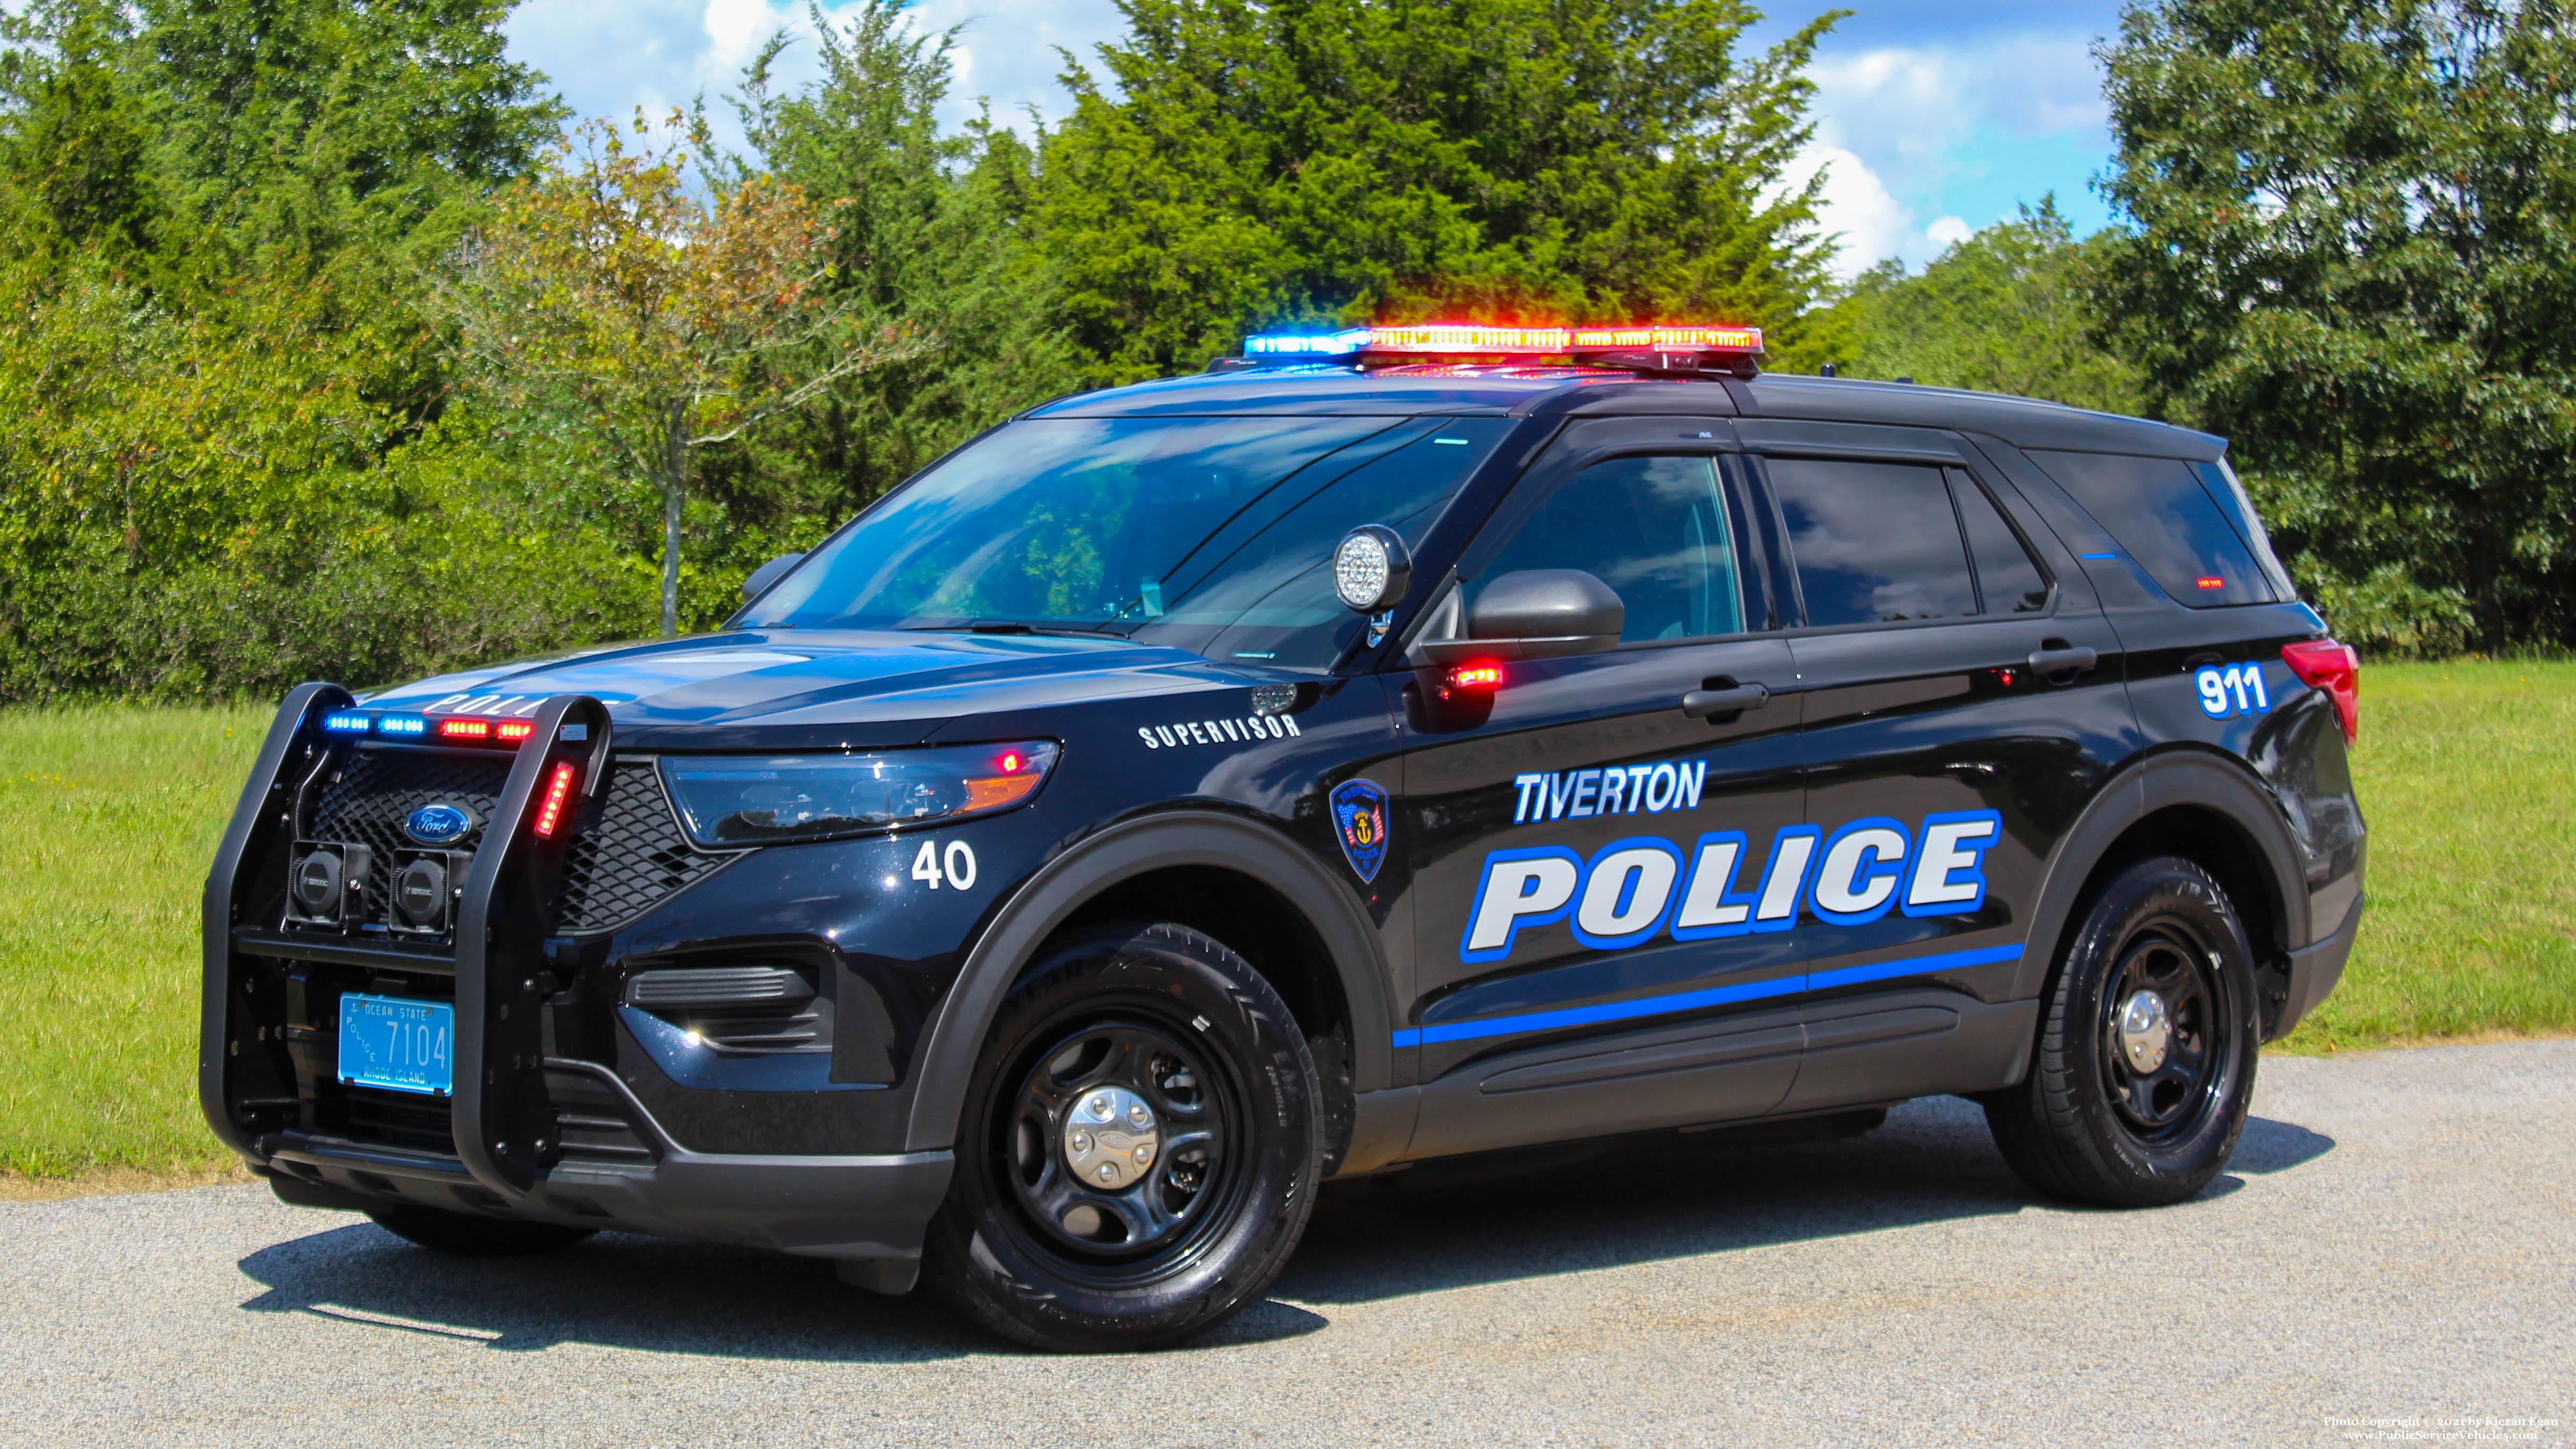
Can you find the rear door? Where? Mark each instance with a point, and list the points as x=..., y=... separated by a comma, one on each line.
x=1962, y=702
x=1586, y=853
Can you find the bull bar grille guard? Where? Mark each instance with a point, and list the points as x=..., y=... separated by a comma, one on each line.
x=499, y=938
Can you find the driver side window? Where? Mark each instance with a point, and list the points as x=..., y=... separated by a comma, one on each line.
x=1656, y=530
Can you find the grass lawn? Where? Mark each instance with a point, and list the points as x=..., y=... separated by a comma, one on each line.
x=108, y=819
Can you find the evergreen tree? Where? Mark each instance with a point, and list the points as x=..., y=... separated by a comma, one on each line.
x=930, y=237
x=1253, y=161
x=2355, y=256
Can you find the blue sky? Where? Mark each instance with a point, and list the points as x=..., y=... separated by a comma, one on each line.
x=1933, y=118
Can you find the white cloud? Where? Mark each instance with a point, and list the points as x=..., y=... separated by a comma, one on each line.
x=1948, y=231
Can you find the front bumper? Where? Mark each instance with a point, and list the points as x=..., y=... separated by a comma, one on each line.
x=872, y=1207
x=532, y=1131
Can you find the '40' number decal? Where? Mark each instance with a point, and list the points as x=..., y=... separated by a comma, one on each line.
x=2231, y=690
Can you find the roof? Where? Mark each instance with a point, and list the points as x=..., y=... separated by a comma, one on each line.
x=1341, y=391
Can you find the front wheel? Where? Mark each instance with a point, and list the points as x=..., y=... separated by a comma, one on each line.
x=2147, y=1047
x=1140, y=1147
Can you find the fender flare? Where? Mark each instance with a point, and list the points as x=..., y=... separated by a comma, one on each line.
x=1120, y=853
x=2220, y=783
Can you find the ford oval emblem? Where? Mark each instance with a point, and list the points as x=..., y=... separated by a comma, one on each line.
x=439, y=824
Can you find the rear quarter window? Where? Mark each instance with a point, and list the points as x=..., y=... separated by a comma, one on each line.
x=2162, y=515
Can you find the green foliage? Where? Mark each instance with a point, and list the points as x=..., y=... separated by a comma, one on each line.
x=2355, y=256
x=1535, y=160
x=2003, y=311
x=931, y=236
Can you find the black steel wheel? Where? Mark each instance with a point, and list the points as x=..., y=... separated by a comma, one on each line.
x=466, y=1235
x=2147, y=1050
x=1140, y=1148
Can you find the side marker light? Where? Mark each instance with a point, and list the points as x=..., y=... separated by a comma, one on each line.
x=1474, y=676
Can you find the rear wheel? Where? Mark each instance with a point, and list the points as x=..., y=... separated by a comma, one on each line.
x=1140, y=1147
x=465, y=1235
x=2147, y=1047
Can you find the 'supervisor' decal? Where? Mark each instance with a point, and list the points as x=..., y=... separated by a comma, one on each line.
x=1615, y=790
x=1634, y=890
x=1218, y=731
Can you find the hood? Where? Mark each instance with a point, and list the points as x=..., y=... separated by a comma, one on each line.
x=790, y=688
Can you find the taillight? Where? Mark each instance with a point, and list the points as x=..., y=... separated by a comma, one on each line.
x=2336, y=669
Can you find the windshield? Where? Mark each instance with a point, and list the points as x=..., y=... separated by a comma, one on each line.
x=1208, y=534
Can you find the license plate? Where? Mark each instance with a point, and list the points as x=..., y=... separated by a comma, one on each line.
x=404, y=1046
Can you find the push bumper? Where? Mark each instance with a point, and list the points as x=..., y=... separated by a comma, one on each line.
x=2315, y=969
x=861, y=1209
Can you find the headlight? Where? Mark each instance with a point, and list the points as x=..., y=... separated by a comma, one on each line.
x=749, y=801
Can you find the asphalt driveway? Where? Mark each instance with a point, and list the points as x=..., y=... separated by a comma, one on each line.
x=2393, y=1258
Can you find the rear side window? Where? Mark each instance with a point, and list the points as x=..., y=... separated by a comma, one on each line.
x=1656, y=530
x=1874, y=543
x=2007, y=581
x=2160, y=512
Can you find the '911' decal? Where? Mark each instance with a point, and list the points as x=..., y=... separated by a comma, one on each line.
x=1632, y=891
x=2231, y=690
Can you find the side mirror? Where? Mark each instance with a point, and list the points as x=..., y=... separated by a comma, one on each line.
x=1372, y=568
x=767, y=574
x=1537, y=614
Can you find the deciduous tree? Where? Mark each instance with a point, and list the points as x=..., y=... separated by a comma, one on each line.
x=607, y=294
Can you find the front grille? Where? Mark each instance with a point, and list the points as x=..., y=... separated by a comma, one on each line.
x=400, y=1119
x=626, y=856
x=366, y=797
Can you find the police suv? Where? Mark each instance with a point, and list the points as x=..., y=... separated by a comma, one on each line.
x=1390, y=744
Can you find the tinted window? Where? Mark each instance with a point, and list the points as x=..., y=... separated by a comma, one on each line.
x=2007, y=581
x=2229, y=495
x=1873, y=542
x=1211, y=534
x=2160, y=513
x=1656, y=530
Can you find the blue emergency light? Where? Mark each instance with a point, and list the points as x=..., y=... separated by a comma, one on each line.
x=1649, y=344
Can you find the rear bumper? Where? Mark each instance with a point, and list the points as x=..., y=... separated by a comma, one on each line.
x=873, y=1207
x=2315, y=969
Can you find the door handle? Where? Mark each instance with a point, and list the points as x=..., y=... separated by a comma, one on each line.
x=1701, y=703
x=2059, y=661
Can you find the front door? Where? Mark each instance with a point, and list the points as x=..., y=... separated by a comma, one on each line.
x=1589, y=855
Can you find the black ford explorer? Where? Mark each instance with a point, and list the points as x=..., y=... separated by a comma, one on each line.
x=1386, y=746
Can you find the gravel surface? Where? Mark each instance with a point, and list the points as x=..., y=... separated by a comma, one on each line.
x=2395, y=1244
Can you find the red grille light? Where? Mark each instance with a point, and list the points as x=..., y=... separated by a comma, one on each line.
x=558, y=791
x=2323, y=664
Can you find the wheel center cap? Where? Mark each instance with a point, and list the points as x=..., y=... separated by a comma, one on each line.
x=1110, y=1138
x=2146, y=1031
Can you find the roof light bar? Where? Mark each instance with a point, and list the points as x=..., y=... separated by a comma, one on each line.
x=402, y=724
x=1478, y=339
x=346, y=723
x=465, y=729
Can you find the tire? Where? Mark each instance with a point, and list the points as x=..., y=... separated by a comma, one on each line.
x=2105, y=1118
x=464, y=1235
x=1156, y=1020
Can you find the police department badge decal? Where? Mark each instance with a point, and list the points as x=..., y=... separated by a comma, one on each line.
x=1359, y=815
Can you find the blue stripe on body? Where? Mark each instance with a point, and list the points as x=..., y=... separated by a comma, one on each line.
x=1695, y=1000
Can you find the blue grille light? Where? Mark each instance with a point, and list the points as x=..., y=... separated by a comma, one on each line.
x=402, y=724
x=345, y=723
